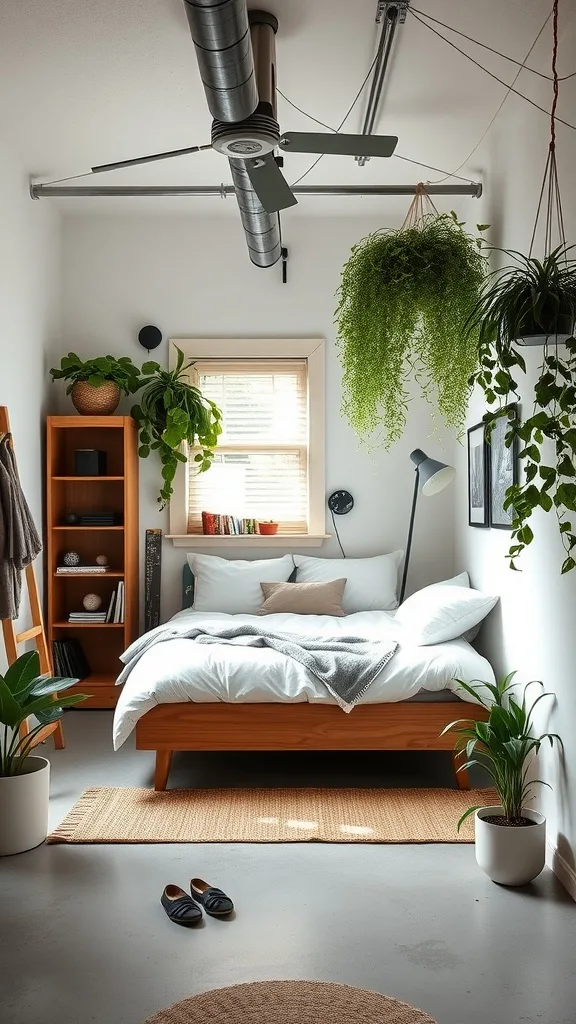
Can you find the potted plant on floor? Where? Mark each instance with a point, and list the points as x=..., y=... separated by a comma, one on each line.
x=24, y=776
x=510, y=837
x=96, y=384
x=172, y=411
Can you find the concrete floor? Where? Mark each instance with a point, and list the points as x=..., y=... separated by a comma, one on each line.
x=84, y=939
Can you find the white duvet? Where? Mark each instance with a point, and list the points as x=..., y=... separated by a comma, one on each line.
x=181, y=670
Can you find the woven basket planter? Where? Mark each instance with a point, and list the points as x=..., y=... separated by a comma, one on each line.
x=100, y=401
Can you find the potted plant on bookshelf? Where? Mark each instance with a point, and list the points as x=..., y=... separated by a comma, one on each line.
x=95, y=385
x=24, y=776
x=173, y=411
x=267, y=527
x=510, y=837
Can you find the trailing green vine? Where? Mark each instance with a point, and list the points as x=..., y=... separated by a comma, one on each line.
x=539, y=297
x=171, y=411
x=404, y=298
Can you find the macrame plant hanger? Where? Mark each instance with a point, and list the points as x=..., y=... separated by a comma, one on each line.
x=36, y=632
x=550, y=190
x=420, y=208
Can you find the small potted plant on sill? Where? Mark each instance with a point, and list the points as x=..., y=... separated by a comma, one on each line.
x=510, y=837
x=267, y=527
x=24, y=776
x=96, y=384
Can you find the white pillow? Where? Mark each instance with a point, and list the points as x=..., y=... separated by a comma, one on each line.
x=461, y=580
x=371, y=583
x=233, y=586
x=440, y=613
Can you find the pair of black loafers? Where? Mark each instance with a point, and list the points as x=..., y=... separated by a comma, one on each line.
x=187, y=910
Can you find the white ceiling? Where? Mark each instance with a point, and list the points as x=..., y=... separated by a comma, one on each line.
x=90, y=81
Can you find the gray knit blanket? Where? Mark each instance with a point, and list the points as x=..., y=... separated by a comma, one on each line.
x=345, y=665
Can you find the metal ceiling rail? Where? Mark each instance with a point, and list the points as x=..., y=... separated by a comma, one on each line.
x=388, y=16
x=39, y=191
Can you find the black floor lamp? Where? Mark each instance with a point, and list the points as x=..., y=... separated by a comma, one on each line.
x=430, y=478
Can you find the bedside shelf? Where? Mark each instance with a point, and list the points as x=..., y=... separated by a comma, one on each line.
x=83, y=479
x=115, y=493
x=80, y=529
x=88, y=575
x=87, y=625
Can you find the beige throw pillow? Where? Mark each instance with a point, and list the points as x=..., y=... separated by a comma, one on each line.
x=303, y=598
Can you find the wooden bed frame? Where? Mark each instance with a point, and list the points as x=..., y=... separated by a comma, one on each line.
x=221, y=726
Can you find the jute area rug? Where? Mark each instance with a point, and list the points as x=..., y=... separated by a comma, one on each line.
x=290, y=1002
x=270, y=816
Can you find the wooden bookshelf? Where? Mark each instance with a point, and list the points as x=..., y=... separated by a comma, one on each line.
x=117, y=492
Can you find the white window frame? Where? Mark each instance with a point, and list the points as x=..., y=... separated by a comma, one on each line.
x=312, y=350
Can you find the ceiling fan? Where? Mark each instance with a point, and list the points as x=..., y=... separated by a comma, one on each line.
x=236, y=55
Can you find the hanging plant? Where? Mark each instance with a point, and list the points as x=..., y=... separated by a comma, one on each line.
x=404, y=299
x=171, y=411
x=534, y=302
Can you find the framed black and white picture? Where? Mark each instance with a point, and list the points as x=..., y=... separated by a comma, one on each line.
x=477, y=476
x=503, y=468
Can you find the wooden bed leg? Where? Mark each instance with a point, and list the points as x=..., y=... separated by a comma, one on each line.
x=162, y=769
x=462, y=777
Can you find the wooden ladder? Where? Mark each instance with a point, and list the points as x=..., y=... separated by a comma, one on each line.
x=36, y=631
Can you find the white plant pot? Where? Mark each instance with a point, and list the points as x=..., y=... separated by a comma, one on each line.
x=24, y=807
x=508, y=855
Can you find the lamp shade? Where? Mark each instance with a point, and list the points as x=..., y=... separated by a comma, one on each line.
x=434, y=476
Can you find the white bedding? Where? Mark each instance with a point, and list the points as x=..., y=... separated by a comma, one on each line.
x=180, y=670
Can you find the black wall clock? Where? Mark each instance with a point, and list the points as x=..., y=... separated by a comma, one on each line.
x=340, y=502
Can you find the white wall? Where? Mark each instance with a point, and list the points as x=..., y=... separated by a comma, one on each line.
x=30, y=305
x=533, y=628
x=191, y=277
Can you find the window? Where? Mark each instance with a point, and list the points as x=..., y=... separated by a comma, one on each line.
x=260, y=468
x=269, y=462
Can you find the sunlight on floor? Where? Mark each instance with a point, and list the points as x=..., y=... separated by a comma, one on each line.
x=292, y=823
x=356, y=830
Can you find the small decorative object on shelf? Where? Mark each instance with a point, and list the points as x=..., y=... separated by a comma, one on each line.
x=267, y=528
x=72, y=519
x=71, y=558
x=91, y=602
x=89, y=462
x=101, y=559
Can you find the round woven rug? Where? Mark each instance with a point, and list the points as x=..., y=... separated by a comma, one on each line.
x=290, y=1002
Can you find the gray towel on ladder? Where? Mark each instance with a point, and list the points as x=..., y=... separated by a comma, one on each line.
x=19, y=540
x=346, y=665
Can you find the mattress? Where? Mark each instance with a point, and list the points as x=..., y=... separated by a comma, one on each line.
x=178, y=670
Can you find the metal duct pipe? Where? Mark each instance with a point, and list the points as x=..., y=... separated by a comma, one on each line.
x=223, y=46
x=262, y=229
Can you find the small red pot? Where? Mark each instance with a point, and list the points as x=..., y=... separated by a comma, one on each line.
x=268, y=529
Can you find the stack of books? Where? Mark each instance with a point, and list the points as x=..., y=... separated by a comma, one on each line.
x=214, y=524
x=81, y=570
x=69, y=659
x=101, y=519
x=115, y=611
x=83, y=617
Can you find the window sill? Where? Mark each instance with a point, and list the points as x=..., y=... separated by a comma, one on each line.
x=249, y=540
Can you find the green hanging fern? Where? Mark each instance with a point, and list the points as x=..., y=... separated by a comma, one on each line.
x=404, y=298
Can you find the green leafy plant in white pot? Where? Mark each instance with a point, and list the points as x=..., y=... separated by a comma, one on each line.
x=24, y=776
x=510, y=837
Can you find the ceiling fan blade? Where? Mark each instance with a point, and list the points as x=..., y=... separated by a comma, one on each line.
x=147, y=159
x=269, y=184
x=337, y=144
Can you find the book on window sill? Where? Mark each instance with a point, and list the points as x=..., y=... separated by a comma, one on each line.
x=215, y=524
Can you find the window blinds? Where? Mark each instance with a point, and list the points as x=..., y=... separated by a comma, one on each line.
x=260, y=468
